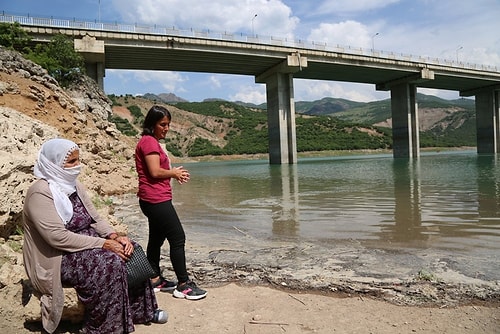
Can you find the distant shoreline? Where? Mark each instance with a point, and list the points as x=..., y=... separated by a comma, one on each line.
x=310, y=154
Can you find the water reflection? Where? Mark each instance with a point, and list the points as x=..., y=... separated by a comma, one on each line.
x=407, y=200
x=488, y=189
x=284, y=186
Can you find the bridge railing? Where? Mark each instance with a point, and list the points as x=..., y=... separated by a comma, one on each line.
x=230, y=36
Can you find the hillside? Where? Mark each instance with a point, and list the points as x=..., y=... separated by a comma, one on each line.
x=442, y=122
x=224, y=128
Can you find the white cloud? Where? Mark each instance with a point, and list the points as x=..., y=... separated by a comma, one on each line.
x=310, y=90
x=342, y=6
x=348, y=33
x=444, y=94
x=250, y=94
x=215, y=81
x=169, y=81
x=140, y=82
x=273, y=16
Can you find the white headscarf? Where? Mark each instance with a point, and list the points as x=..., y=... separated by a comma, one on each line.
x=62, y=183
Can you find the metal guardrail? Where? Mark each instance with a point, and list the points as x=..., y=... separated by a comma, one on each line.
x=238, y=37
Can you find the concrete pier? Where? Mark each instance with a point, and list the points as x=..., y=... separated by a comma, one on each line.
x=487, y=121
x=281, y=109
x=405, y=134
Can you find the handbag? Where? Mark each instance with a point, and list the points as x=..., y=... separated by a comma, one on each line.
x=138, y=267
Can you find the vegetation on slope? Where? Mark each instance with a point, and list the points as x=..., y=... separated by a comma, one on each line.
x=247, y=131
x=58, y=56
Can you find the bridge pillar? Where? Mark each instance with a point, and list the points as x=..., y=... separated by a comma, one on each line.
x=405, y=132
x=487, y=121
x=281, y=109
x=96, y=72
x=92, y=51
x=281, y=119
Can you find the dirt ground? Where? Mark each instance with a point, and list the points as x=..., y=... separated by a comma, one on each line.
x=251, y=309
x=256, y=309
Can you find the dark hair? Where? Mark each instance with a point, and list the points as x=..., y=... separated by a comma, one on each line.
x=154, y=114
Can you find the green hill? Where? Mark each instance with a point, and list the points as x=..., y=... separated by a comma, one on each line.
x=217, y=127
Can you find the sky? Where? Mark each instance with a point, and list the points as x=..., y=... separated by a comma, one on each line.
x=461, y=30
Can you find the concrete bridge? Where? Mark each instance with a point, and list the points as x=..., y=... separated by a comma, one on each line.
x=275, y=63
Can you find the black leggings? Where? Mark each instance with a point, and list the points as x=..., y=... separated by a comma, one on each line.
x=165, y=224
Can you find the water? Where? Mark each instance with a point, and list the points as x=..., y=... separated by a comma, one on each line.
x=441, y=200
x=441, y=208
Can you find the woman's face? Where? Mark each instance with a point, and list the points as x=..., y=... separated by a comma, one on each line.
x=73, y=159
x=161, y=128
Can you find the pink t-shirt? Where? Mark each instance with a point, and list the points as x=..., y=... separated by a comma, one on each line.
x=151, y=189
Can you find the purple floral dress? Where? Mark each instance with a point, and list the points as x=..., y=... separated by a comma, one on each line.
x=100, y=279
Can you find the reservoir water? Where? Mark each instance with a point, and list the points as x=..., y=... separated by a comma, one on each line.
x=446, y=204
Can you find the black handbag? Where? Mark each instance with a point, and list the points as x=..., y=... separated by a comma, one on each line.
x=138, y=267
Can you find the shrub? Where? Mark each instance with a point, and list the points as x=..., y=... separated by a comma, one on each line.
x=60, y=59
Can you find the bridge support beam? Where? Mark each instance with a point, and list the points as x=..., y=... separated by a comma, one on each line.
x=405, y=132
x=487, y=121
x=281, y=119
x=92, y=51
x=96, y=72
x=281, y=109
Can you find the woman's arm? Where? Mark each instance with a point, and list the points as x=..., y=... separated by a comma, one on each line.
x=153, y=164
x=42, y=216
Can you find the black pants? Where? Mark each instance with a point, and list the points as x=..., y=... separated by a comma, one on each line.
x=165, y=224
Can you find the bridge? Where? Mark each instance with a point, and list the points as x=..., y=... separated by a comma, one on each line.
x=276, y=62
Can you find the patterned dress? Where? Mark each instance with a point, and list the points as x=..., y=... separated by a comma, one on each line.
x=100, y=279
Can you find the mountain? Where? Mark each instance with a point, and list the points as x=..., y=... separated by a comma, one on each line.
x=327, y=106
x=377, y=112
x=163, y=97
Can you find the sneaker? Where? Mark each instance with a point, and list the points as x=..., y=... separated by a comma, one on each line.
x=163, y=285
x=190, y=291
x=160, y=317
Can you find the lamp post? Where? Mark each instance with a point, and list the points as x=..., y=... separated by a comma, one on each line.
x=99, y=14
x=253, y=18
x=373, y=42
x=458, y=49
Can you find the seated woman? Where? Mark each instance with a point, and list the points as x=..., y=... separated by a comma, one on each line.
x=67, y=243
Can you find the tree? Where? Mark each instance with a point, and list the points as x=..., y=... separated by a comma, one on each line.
x=13, y=36
x=60, y=59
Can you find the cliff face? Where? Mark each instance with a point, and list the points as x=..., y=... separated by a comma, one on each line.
x=33, y=108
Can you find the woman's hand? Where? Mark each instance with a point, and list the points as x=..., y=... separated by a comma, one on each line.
x=121, y=246
x=181, y=174
x=128, y=247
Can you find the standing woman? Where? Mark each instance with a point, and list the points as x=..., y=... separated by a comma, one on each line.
x=67, y=243
x=155, y=199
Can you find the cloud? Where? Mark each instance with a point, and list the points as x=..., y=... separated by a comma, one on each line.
x=250, y=94
x=215, y=81
x=342, y=6
x=348, y=33
x=169, y=81
x=140, y=82
x=273, y=17
x=310, y=90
